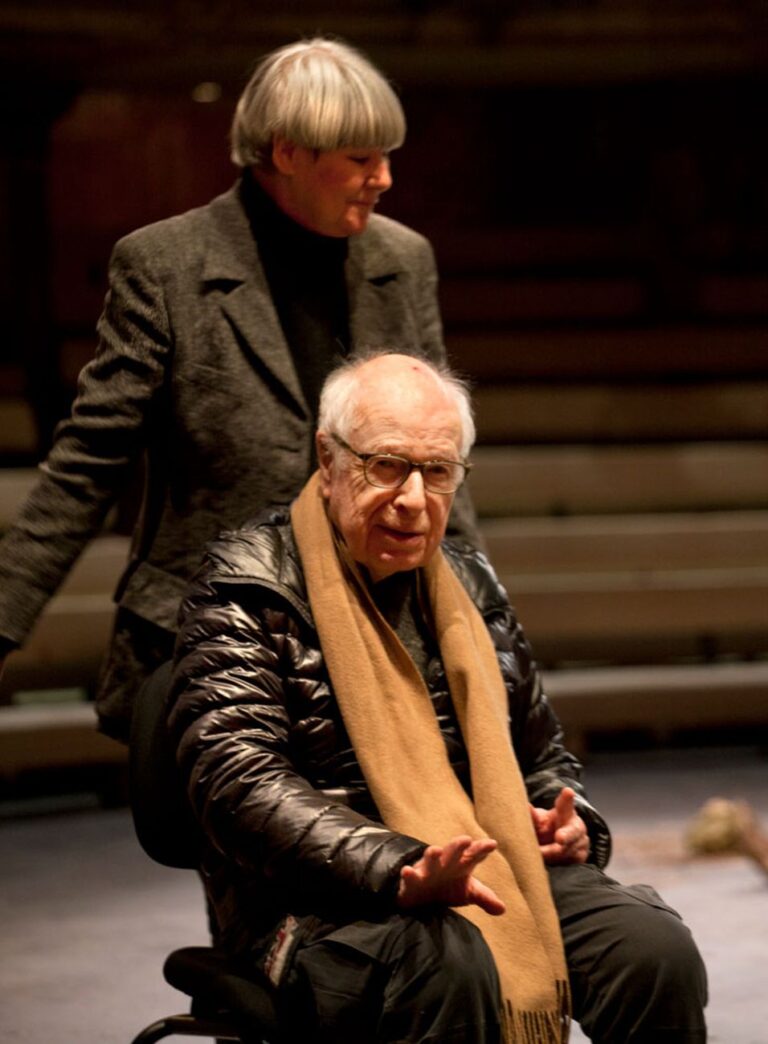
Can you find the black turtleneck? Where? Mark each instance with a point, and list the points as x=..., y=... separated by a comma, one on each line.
x=305, y=272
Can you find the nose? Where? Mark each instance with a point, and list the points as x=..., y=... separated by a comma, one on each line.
x=412, y=495
x=381, y=175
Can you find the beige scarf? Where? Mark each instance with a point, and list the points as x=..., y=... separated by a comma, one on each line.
x=394, y=731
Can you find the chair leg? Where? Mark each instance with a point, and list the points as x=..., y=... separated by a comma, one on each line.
x=186, y=1025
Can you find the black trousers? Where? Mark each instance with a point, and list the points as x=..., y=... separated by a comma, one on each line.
x=636, y=975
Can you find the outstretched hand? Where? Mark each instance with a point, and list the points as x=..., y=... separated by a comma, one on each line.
x=444, y=874
x=561, y=832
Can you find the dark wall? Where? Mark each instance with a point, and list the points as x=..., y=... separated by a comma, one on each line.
x=660, y=180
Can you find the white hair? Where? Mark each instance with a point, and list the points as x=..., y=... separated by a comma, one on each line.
x=320, y=94
x=339, y=409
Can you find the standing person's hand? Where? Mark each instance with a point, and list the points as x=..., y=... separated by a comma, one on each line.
x=444, y=874
x=561, y=831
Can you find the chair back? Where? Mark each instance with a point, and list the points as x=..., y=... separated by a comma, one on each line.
x=162, y=816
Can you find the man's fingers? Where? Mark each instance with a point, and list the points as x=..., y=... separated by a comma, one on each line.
x=464, y=853
x=480, y=850
x=565, y=804
x=486, y=898
x=457, y=848
x=556, y=853
x=440, y=865
x=538, y=815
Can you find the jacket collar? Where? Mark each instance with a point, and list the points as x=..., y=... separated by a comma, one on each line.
x=263, y=552
x=232, y=262
x=370, y=256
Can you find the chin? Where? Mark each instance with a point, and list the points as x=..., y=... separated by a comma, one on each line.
x=402, y=565
x=356, y=223
x=381, y=568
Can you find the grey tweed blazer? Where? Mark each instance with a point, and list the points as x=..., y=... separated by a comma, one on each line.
x=193, y=372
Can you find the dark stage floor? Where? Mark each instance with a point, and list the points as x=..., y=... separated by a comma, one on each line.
x=87, y=918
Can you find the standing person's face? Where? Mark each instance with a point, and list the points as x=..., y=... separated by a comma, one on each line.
x=332, y=193
x=403, y=413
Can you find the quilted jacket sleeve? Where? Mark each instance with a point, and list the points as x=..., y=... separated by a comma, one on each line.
x=241, y=665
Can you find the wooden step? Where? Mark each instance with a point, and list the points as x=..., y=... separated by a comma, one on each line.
x=741, y=296
x=478, y=250
x=495, y=300
x=480, y=300
x=636, y=544
x=565, y=480
x=655, y=616
x=634, y=588
x=65, y=648
x=18, y=427
x=58, y=735
x=15, y=485
x=69, y=640
x=562, y=413
x=510, y=354
x=587, y=701
x=657, y=698
x=475, y=251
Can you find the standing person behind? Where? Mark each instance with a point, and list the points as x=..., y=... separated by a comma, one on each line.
x=218, y=329
x=366, y=744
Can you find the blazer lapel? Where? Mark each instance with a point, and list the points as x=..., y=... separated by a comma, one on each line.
x=232, y=261
x=377, y=314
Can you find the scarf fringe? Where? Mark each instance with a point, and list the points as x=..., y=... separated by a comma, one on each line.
x=538, y=1027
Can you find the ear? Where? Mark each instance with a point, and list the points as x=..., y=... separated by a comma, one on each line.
x=325, y=462
x=284, y=155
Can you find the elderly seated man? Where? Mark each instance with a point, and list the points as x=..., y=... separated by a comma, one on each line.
x=396, y=837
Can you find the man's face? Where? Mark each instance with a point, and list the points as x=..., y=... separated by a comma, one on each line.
x=408, y=414
x=332, y=193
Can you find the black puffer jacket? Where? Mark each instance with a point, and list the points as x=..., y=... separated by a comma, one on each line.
x=291, y=826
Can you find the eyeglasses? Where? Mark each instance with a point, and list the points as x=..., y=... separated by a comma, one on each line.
x=388, y=471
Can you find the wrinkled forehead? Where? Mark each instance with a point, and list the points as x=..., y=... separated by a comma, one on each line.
x=403, y=415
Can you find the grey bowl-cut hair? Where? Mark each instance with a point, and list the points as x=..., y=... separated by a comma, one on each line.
x=339, y=411
x=320, y=94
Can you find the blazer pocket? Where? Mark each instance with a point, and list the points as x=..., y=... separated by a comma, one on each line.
x=216, y=382
x=154, y=595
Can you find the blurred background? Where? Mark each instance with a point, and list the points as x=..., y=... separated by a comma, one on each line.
x=593, y=176
x=594, y=179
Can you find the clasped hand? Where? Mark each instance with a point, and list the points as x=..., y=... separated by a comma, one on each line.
x=445, y=873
